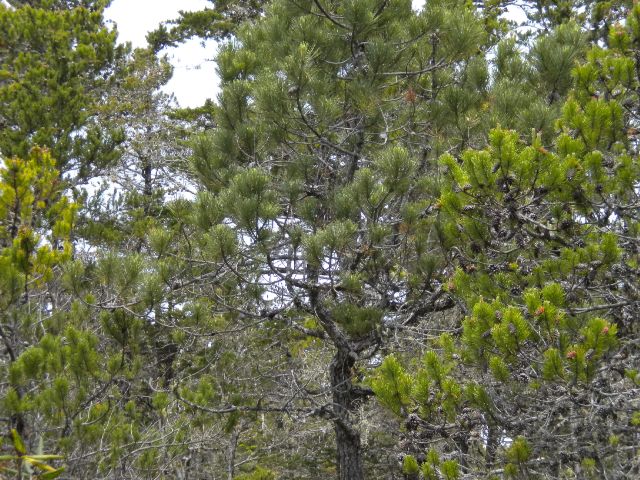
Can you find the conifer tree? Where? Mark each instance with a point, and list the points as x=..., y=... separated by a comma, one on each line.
x=326, y=126
x=56, y=64
x=539, y=380
x=74, y=319
x=35, y=223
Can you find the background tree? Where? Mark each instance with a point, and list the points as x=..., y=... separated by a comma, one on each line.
x=35, y=223
x=75, y=339
x=57, y=62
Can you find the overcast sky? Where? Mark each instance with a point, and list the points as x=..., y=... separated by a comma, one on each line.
x=194, y=78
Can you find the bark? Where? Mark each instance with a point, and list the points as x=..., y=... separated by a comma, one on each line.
x=148, y=185
x=231, y=456
x=348, y=445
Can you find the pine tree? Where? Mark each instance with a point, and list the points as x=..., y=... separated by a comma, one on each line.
x=35, y=224
x=74, y=327
x=329, y=121
x=56, y=65
x=539, y=379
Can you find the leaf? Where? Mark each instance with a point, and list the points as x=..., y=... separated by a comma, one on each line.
x=52, y=474
x=46, y=457
x=37, y=464
x=18, y=444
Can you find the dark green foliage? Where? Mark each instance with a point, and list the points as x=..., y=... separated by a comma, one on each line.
x=427, y=208
x=56, y=65
x=216, y=22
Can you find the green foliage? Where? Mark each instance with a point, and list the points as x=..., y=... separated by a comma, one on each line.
x=530, y=230
x=217, y=22
x=25, y=462
x=450, y=470
x=355, y=320
x=410, y=465
x=258, y=474
x=519, y=451
x=430, y=466
x=56, y=66
x=414, y=206
x=392, y=385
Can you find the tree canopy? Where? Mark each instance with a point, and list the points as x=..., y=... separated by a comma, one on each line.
x=402, y=243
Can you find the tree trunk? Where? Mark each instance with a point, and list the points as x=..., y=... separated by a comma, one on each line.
x=348, y=447
x=231, y=454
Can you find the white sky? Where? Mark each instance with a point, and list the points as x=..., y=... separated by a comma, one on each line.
x=194, y=77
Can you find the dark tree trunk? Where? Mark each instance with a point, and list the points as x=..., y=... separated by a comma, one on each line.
x=348, y=446
x=148, y=186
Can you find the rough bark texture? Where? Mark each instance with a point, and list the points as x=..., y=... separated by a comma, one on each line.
x=348, y=446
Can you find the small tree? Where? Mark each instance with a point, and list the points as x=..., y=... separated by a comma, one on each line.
x=35, y=224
